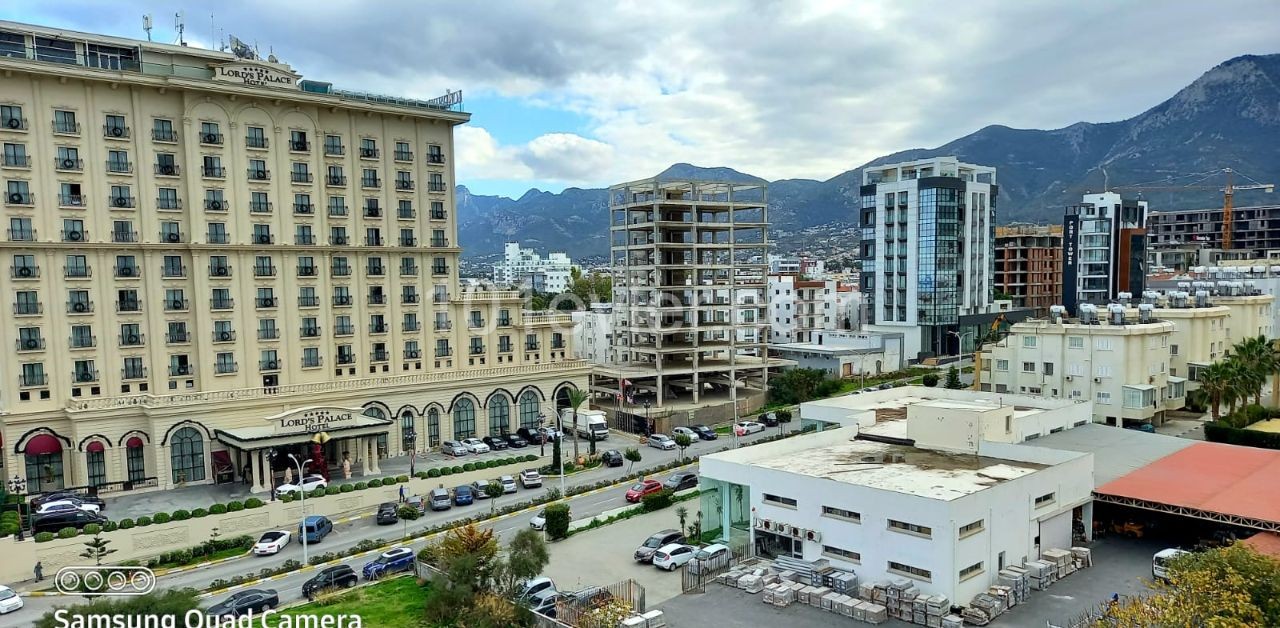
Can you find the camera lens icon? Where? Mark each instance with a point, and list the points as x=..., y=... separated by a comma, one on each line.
x=103, y=581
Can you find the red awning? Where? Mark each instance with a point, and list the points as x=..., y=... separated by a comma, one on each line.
x=133, y=442
x=42, y=444
x=222, y=461
x=94, y=447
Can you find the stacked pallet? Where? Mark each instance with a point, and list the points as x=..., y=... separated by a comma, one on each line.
x=808, y=572
x=1062, y=561
x=1042, y=572
x=1017, y=580
x=875, y=614
x=751, y=583
x=953, y=621
x=1082, y=556
x=843, y=581
x=982, y=609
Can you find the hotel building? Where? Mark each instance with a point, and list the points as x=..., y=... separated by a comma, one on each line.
x=209, y=258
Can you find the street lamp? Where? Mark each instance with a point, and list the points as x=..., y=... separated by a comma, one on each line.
x=412, y=437
x=542, y=442
x=303, y=500
x=960, y=338
x=648, y=426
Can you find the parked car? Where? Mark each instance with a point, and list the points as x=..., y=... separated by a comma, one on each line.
x=642, y=488
x=704, y=432
x=515, y=441
x=477, y=490
x=531, y=434
x=9, y=601
x=65, y=505
x=544, y=602
x=539, y=521
x=687, y=431
x=454, y=448
x=1160, y=562
x=671, y=557
x=530, y=478
x=440, y=499
x=661, y=441
x=387, y=513
x=508, y=484
x=534, y=586
x=770, y=419
x=315, y=527
x=417, y=502
x=307, y=484
x=681, y=480
x=710, y=558
x=886, y=386
x=475, y=445
x=748, y=427
x=550, y=434
x=612, y=458
x=495, y=443
x=272, y=542
x=394, y=560
x=644, y=553
x=77, y=519
x=462, y=495
x=36, y=502
x=335, y=577
x=242, y=603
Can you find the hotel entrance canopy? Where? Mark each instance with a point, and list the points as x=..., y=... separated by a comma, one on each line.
x=294, y=426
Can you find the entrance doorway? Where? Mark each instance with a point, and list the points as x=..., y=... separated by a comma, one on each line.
x=772, y=545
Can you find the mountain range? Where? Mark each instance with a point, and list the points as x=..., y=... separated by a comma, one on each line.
x=1228, y=117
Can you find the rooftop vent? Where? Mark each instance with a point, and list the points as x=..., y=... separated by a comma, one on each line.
x=1056, y=312
x=1115, y=314
x=1146, y=313
x=1202, y=298
x=1124, y=297
x=1088, y=314
x=1150, y=296
x=1178, y=298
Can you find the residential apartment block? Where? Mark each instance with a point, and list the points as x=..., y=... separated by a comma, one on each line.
x=527, y=269
x=1103, y=249
x=799, y=308
x=928, y=230
x=210, y=258
x=1176, y=237
x=1028, y=266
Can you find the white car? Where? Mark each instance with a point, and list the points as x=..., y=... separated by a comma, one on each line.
x=710, y=558
x=748, y=427
x=508, y=484
x=309, y=483
x=475, y=445
x=661, y=441
x=9, y=601
x=272, y=542
x=539, y=521
x=686, y=431
x=65, y=505
x=671, y=557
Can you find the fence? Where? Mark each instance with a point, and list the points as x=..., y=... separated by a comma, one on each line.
x=695, y=574
x=576, y=609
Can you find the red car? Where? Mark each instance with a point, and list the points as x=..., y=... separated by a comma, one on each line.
x=646, y=487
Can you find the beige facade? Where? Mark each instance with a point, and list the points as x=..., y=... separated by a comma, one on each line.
x=202, y=241
x=1251, y=315
x=1199, y=338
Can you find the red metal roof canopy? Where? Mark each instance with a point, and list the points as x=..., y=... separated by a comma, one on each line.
x=1212, y=477
x=42, y=444
x=95, y=446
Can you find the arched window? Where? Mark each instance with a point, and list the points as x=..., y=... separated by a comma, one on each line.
x=375, y=412
x=407, y=434
x=135, y=459
x=499, y=416
x=433, y=427
x=464, y=419
x=44, y=464
x=96, y=463
x=529, y=408
x=187, y=455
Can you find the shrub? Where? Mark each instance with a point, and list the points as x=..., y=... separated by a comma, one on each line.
x=457, y=469
x=930, y=380
x=491, y=464
x=557, y=520
x=421, y=475
x=469, y=467
x=433, y=473
x=67, y=533
x=568, y=467
x=408, y=513
x=401, y=479
x=44, y=537
x=199, y=512
x=144, y=521
x=160, y=517
x=217, y=509
x=126, y=523
x=530, y=457
x=318, y=492
x=253, y=502
x=92, y=529
x=235, y=506
x=180, y=515
x=286, y=498
x=110, y=526
x=784, y=416
x=447, y=471
x=346, y=488
x=656, y=501
x=332, y=490
x=360, y=486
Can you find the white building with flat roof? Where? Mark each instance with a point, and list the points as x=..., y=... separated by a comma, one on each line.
x=946, y=505
x=525, y=267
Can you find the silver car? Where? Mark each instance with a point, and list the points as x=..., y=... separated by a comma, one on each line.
x=453, y=448
x=661, y=441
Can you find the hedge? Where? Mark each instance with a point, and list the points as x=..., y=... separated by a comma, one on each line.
x=1219, y=433
x=92, y=529
x=67, y=533
x=160, y=517
x=217, y=509
x=144, y=521
x=199, y=512
x=181, y=515
x=346, y=488
x=235, y=506
x=402, y=479
x=253, y=502
x=469, y=467
x=360, y=486
x=44, y=537
x=126, y=523
x=433, y=473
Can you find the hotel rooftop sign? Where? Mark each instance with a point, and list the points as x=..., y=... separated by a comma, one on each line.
x=255, y=74
x=316, y=419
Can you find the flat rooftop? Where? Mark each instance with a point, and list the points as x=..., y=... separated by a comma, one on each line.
x=1116, y=451
x=902, y=469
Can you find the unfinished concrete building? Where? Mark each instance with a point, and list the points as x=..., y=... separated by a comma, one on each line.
x=1029, y=265
x=689, y=259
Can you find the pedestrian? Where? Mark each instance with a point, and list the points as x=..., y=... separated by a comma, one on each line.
x=39, y=571
x=402, y=494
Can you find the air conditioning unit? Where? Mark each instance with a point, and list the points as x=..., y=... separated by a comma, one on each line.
x=269, y=302
x=339, y=239
x=31, y=343
x=126, y=271
x=80, y=307
x=177, y=305
x=766, y=525
x=796, y=533
x=813, y=535
x=15, y=198
x=75, y=236
x=260, y=174
x=1068, y=378
x=68, y=163
x=14, y=123
x=272, y=365
x=1097, y=380
x=25, y=271
x=117, y=131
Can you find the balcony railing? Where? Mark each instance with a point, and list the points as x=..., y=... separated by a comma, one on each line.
x=177, y=370
x=378, y=356
x=211, y=138
x=122, y=202
x=369, y=153
x=132, y=340
x=370, y=182
x=373, y=240
x=344, y=330
x=412, y=354
x=256, y=141
x=436, y=186
x=133, y=373
x=377, y=271
x=301, y=177
x=438, y=215
x=408, y=241
x=340, y=271
x=309, y=332
x=84, y=376
x=304, y=208
x=299, y=146
x=335, y=180
x=259, y=175
x=409, y=271
x=215, y=172
x=21, y=235
x=83, y=341
x=310, y=363
x=377, y=299
x=166, y=202
x=346, y=359
x=29, y=344
x=223, y=368
x=334, y=150
x=443, y=352
x=225, y=335
x=174, y=271
x=119, y=167
x=177, y=337
x=222, y=304
x=337, y=210
x=115, y=131
x=435, y=158
x=164, y=135
x=403, y=155
x=260, y=207
x=304, y=239
x=33, y=379
x=269, y=333
x=440, y=242
x=220, y=270
x=377, y=328
x=16, y=161
x=66, y=128
x=14, y=123
x=406, y=213
x=20, y=198
x=409, y=297
x=25, y=272
x=443, y=325
x=266, y=302
x=74, y=307
x=439, y=270
x=264, y=271
x=404, y=184
x=307, y=271
x=168, y=170
x=176, y=305
x=342, y=300
x=128, y=272
x=28, y=308
x=68, y=164
x=475, y=323
x=216, y=205
x=311, y=301
x=77, y=272
x=410, y=326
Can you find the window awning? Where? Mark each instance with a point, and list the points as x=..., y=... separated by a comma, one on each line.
x=222, y=461
x=1176, y=380
x=94, y=447
x=1140, y=386
x=42, y=444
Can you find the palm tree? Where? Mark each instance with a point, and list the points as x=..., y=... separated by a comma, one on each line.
x=576, y=398
x=1274, y=363
x=1253, y=355
x=1217, y=381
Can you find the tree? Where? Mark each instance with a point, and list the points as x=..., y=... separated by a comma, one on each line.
x=633, y=456
x=96, y=549
x=682, y=441
x=799, y=385
x=576, y=398
x=953, y=379
x=1217, y=382
x=930, y=380
x=682, y=514
x=1257, y=358
x=494, y=491
x=526, y=557
x=557, y=516
x=159, y=604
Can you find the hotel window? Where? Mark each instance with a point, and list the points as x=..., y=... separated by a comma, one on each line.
x=1044, y=500
x=15, y=155
x=842, y=554
x=402, y=152
x=337, y=206
x=133, y=368
x=1075, y=342
x=840, y=513
x=310, y=357
x=212, y=167
x=255, y=137
x=298, y=141
x=1028, y=367
x=209, y=133
x=972, y=528
x=333, y=145
x=911, y=572
x=910, y=528
x=167, y=198
x=368, y=148
x=225, y=363
x=162, y=131
x=118, y=161
x=779, y=500
x=1002, y=365
x=1029, y=342
x=1103, y=344
x=65, y=122
x=971, y=570
x=10, y=113
x=442, y=348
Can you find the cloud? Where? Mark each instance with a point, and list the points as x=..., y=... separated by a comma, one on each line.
x=774, y=88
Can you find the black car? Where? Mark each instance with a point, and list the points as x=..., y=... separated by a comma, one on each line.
x=45, y=498
x=336, y=577
x=245, y=602
x=612, y=458
x=769, y=419
x=681, y=480
x=515, y=441
x=77, y=519
x=704, y=432
x=530, y=435
x=495, y=443
x=387, y=513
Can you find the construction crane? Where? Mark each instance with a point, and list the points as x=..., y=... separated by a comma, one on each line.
x=1228, y=192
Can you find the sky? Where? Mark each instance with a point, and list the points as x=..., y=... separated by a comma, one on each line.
x=594, y=92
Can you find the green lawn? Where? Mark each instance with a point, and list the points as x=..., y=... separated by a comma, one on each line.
x=395, y=603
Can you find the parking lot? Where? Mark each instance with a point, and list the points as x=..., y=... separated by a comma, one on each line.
x=1121, y=566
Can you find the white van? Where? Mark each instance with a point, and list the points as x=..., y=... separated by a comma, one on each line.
x=591, y=423
x=1160, y=562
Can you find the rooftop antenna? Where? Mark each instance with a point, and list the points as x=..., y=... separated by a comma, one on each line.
x=181, y=26
x=213, y=32
x=146, y=25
